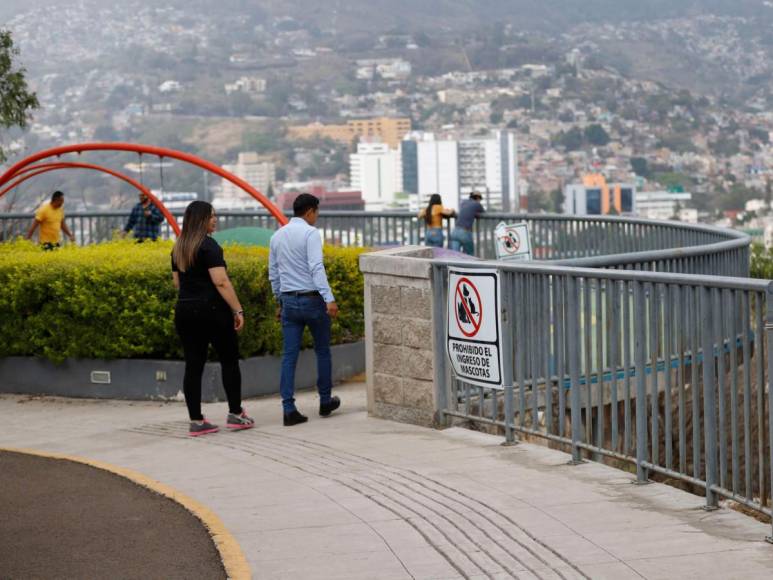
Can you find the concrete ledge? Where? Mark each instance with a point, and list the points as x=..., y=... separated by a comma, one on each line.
x=393, y=262
x=162, y=379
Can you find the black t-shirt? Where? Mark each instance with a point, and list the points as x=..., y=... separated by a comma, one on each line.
x=195, y=282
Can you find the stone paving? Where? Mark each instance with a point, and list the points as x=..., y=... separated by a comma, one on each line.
x=359, y=498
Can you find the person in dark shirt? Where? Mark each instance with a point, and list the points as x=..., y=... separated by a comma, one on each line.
x=461, y=235
x=145, y=220
x=207, y=312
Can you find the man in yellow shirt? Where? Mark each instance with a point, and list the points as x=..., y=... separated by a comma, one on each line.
x=50, y=218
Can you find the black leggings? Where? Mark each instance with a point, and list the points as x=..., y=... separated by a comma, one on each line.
x=200, y=324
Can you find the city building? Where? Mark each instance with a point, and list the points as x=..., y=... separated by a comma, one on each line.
x=385, y=68
x=169, y=87
x=252, y=168
x=344, y=200
x=594, y=196
x=437, y=163
x=661, y=205
x=757, y=206
x=376, y=171
x=249, y=85
x=175, y=201
x=385, y=129
x=454, y=168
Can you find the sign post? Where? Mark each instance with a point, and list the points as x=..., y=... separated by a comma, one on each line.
x=512, y=241
x=474, y=326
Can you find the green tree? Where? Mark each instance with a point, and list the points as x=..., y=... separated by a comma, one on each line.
x=16, y=99
x=557, y=200
x=539, y=201
x=640, y=166
x=596, y=135
x=572, y=140
x=760, y=135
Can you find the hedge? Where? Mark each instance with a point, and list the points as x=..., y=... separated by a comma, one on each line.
x=116, y=300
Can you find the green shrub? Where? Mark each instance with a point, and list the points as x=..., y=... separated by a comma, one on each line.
x=116, y=300
x=761, y=262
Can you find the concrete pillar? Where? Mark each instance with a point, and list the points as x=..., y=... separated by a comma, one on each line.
x=399, y=341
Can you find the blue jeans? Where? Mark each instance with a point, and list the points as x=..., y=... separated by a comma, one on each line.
x=461, y=240
x=297, y=313
x=434, y=237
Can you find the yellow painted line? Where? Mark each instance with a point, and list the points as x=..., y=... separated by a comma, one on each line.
x=236, y=566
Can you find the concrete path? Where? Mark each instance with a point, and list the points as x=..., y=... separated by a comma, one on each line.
x=359, y=498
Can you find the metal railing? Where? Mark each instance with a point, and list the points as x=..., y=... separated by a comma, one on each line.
x=590, y=241
x=668, y=373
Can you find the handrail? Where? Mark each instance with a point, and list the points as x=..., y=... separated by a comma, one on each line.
x=580, y=241
x=653, y=255
x=643, y=276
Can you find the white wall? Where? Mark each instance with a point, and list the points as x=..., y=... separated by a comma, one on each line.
x=439, y=171
x=376, y=171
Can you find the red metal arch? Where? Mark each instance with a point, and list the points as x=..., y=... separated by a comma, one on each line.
x=33, y=170
x=150, y=150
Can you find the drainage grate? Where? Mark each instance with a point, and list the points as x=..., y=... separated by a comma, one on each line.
x=100, y=377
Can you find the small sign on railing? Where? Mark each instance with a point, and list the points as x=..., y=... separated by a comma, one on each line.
x=512, y=241
x=474, y=326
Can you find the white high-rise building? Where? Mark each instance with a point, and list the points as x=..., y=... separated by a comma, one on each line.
x=661, y=205
x=454, y=168
x=438, y=163
x=376, y=171
x=481, y=169
x=249, y=166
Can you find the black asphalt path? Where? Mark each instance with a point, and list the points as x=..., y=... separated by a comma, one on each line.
x=60, y=519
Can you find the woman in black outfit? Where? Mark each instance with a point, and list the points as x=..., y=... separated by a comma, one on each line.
x=207, y=312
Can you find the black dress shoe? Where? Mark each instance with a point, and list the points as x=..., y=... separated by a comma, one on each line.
x=326, y=408
x=294, y=418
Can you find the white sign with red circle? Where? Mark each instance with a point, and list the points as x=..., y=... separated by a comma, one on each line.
x=474, y=324
x=512, y=241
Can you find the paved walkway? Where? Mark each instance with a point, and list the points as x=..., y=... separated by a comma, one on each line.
x=61, y=519
x=354, y=497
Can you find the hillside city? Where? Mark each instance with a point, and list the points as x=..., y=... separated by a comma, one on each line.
x=378, y=121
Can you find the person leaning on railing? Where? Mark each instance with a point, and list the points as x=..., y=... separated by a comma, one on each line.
x=433, y=215
x=207, y=312
x=461, y=235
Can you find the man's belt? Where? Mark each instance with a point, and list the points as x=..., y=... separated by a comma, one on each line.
x=301, y=293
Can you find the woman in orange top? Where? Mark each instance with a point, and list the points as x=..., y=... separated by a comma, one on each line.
x=433, y=215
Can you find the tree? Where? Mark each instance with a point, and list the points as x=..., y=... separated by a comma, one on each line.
x=539, y=201
x=557, y=200
x=571, y=140
x=640, y=166
x=422, y=39
x=596, y=135
x=16, y=100
x=759, y=135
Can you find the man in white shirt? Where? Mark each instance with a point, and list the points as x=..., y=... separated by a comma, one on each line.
x=300, y=286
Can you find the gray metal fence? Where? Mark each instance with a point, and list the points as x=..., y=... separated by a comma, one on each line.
x=668, y=373
x=589, y=241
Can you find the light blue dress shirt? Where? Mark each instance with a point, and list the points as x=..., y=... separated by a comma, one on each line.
x=295, y=260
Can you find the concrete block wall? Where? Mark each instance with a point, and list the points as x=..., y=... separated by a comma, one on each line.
x=399, y=338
